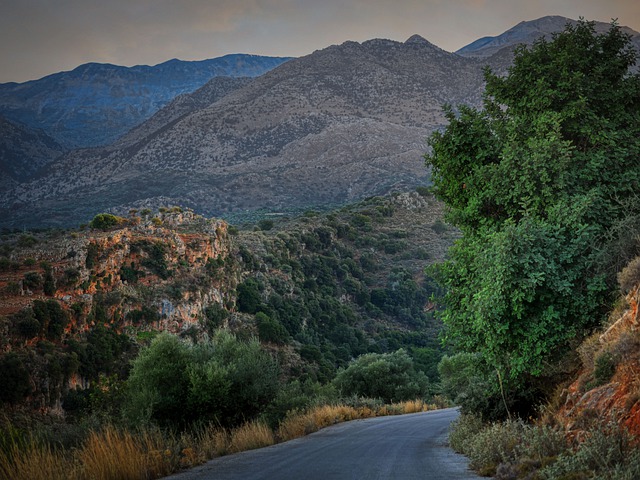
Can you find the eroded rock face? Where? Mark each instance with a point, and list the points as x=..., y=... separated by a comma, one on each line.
x=171, y=264
x=617, y=399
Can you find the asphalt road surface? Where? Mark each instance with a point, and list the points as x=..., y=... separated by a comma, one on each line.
x=399, y=447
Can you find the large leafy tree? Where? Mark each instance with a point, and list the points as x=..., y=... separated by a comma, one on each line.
x=538, y=182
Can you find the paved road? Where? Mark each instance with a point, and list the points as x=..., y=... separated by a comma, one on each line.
x=401, y=447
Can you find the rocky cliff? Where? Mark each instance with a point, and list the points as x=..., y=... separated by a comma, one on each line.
x=607, y=388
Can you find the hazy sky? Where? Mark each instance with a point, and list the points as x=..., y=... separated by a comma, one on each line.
x=39, y=37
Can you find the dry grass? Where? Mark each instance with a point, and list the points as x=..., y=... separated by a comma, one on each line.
x=250, y=436
x=116, y=454
x=112, y=453
x=35, y=462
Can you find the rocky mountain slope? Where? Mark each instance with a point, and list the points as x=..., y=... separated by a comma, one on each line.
x=527, y=33
x=95, y=103
x=338, y=125
x=320, y=289
x=23, y=151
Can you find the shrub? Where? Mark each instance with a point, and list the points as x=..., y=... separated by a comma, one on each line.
x=388, y=376
x=265, y=224
x=494, y=445
x=271, y=330
x=629, y=277
x=604, y=368
x=14, y=379
x=224, y=380
x=249, y=299
x=27, y=241
x=607, y=449
x=105, y=221
x=32, y=280
x=463, y=430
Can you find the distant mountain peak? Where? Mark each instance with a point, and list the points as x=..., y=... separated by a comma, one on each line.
x=526, y=32
x=417, y=39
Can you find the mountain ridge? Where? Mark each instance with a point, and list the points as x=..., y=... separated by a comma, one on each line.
x=340, y=124
x=96, y=103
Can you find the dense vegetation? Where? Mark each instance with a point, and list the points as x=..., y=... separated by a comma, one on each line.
x=297, y=314
x=542, y=182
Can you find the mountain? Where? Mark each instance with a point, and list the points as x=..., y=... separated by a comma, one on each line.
x=96, y=103
x=338, y=125
x=335, y=126
x=23, y=151
x=527, y=33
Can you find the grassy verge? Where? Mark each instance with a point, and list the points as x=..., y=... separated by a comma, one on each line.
x=113, y=453
x=516, y=450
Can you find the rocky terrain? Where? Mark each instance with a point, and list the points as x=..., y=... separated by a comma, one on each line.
x=23, y=151
x=95, y=104
x=320, y=289
x=335, y=126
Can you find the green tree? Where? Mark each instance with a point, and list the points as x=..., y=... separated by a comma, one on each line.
x=225, y=380
x=537, y=181
x=14, y=378
x=388, y=376
x=105, y=221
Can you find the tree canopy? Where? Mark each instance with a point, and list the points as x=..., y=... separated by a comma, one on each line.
x=539, y=181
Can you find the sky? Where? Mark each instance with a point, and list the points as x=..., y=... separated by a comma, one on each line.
x=40, y=37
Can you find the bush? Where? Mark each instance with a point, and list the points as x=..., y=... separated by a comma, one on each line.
x=105, y=221
x=604, y=368
x=32, y=280
x=14, y=379
x=176, y=383
x=388, y=376
x=463, y=430
x=271, y=330
x=494, y=445
x=629, y=277
x=607, y=449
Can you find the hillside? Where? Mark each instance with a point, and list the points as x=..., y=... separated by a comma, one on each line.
x=23, y=151
x=94, y=104
x=335, y=126
x=320, y=289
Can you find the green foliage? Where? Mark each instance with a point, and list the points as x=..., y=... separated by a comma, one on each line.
x=130, y=274
x=533, y=181
x=32, y=280
x=388, y=376
x=49, y=284
x=27, y=241
x=604, y=367
x=106, y=221
x=156, y=260
x=14, y=378
x=51, y=316
x=271, y=330
x=265, y=224
x=509, y=449
x=93, y=252
x=608, y=452
x=214, y=317
x=249, y=298
x=176, y=383
x=145, y=315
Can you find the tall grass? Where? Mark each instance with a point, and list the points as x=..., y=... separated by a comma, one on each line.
x=112, y=453
x=35, y=461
